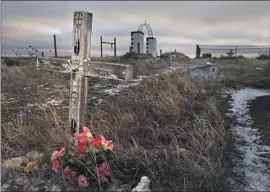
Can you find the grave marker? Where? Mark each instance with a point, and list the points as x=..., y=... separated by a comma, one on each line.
x=82, y=68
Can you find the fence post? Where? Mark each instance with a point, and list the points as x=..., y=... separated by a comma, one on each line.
x=198, y=51
x=115, y=47
x=55, y=48
x=101, y=47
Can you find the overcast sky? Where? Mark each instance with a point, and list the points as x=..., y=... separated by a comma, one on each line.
x=175, y=24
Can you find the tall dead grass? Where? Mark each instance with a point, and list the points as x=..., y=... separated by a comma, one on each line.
x=168, y=129
x=39, y=130
x=22, y=129
x=244, y=72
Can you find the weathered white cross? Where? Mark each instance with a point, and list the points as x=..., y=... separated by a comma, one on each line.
x=82, y=67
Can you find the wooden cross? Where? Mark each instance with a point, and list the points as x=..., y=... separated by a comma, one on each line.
x=82, y=67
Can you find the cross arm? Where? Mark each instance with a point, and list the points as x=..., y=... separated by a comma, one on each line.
x=108, y=70
x=52, y=64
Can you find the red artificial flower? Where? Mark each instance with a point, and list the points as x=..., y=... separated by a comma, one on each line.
x=80, y=148
x=102, y=143
x=109, y=145
x=81, y=138
x=84, y=137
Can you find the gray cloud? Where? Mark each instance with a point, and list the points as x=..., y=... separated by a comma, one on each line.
x=176, y=24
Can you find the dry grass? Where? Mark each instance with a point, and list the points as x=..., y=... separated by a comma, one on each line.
x=35, y=129
x=166, y=128
x=40, y=130
x=150, y=126
x=243, y=73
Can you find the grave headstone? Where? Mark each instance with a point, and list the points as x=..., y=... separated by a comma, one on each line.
x=201, y=71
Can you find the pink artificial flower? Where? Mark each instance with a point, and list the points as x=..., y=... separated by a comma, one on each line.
x=77, y=156
x=103, y=170
x=82, y=181
x=69, y=174
x=55, y=155
x=73, y=174
x=62, y=152
x=56, y=166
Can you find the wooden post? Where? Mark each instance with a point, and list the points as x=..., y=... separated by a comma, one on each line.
x=101, y=47
x=198, y=51
x=82, y=31
x=55, y=48
x=82, y=68
x=115, y=47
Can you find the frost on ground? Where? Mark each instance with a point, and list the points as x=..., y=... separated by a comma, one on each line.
x=47, y=104
x=118, y=88
x=253, y=166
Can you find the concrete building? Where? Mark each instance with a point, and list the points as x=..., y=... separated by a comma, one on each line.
x=137, y=42
x=151, y=46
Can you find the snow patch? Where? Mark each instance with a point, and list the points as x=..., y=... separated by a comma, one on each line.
x=118, y=88
x=43, y=85
x=53, y=102
x=257, y=175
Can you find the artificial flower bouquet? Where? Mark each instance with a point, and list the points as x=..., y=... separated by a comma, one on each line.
x=86, y=162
